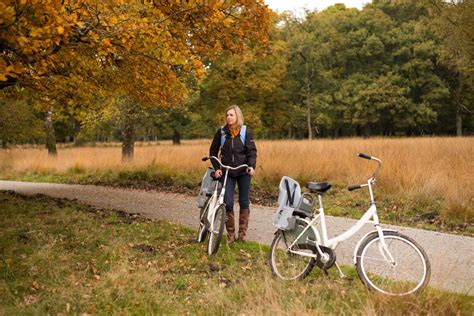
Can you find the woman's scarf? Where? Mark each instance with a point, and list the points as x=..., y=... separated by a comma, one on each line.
x=234, y=131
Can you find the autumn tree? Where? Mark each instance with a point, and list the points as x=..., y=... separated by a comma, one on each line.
x=140, y=53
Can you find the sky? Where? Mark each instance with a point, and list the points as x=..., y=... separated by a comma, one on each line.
x=297, y=6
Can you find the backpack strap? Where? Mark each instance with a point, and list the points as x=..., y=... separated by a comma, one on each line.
x=222, y=136
x=243, y=134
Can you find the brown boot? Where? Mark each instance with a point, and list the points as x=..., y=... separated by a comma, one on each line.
x=230, y=226
x=243, y=223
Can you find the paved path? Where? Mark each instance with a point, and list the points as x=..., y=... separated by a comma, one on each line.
x=451, y=256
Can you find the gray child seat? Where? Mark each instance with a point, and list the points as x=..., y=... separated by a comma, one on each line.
x=207, y=187
x=291, y=203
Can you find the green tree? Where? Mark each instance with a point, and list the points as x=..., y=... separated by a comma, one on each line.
x=453, y=22
x=19, y=122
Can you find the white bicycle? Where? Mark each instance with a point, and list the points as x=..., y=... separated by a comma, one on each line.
x=386, y=261
x=213, y=214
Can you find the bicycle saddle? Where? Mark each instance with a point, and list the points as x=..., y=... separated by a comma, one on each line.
x=319, y=186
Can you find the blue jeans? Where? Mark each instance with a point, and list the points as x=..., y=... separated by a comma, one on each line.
x=243, y=181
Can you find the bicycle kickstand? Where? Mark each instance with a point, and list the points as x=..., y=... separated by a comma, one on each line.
x=341, y=274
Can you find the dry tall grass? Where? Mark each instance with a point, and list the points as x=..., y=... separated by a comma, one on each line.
x=425, y=167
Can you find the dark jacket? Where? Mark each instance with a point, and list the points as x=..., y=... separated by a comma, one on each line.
x=234, y=153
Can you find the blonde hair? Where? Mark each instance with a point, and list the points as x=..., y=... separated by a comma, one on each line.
x=238, y=112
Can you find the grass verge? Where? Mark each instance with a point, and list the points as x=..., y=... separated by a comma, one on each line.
x=61, y=257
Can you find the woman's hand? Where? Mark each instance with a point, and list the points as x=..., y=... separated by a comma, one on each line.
x=218, y=173
x=251, y=171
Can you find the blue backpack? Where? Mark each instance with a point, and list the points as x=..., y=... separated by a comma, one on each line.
x=243, y=132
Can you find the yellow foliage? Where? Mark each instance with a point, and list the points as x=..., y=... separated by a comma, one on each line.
x=120, y=40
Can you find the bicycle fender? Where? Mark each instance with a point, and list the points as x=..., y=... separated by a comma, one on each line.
x=354, y=256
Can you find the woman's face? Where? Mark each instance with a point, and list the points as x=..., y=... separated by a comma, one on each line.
x=231, y=117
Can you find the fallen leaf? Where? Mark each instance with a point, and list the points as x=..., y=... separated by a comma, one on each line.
x=36, y=285
x=29, y=299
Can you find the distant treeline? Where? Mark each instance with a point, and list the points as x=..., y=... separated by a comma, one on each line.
x=393, y=68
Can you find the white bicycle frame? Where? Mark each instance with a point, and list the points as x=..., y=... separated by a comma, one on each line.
x=216, y=201
x=369, y=217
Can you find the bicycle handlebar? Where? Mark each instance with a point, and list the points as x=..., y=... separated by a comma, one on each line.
x=354, y=187
x=365, y=156
x=371, y=179
x=224, y=166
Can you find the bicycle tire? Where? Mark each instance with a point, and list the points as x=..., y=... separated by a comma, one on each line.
x=409, y=274
x=202, y=228
x=286, y=265
x=215, y=236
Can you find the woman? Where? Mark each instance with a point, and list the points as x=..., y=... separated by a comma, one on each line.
x=237, y=146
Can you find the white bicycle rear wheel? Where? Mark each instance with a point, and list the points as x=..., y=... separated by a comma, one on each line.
x=202, y=228
x=285, y=264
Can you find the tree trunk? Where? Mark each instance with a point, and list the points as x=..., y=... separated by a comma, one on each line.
x=310, y=130
x=308, y=101
x=457, y=100
x=458, y=122
x=50, y=136
x=176, y=137
x=457, y=97
x=367, y=130
x=128, y=143
x=77, y=129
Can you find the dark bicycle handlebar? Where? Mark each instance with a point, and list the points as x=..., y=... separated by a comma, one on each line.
x=371, y=179
x=365, y=156
x=354, y=187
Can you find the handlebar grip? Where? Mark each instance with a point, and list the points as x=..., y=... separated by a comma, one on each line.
x=205, y=158
x=365, y=156
x=354, y=187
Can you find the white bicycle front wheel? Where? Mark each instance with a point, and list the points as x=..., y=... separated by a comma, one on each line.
x=216, y=230
x=408, y=273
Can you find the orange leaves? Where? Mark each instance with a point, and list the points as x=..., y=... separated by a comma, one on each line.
x=146, y=51
x=7, y=13
x=106, y=42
